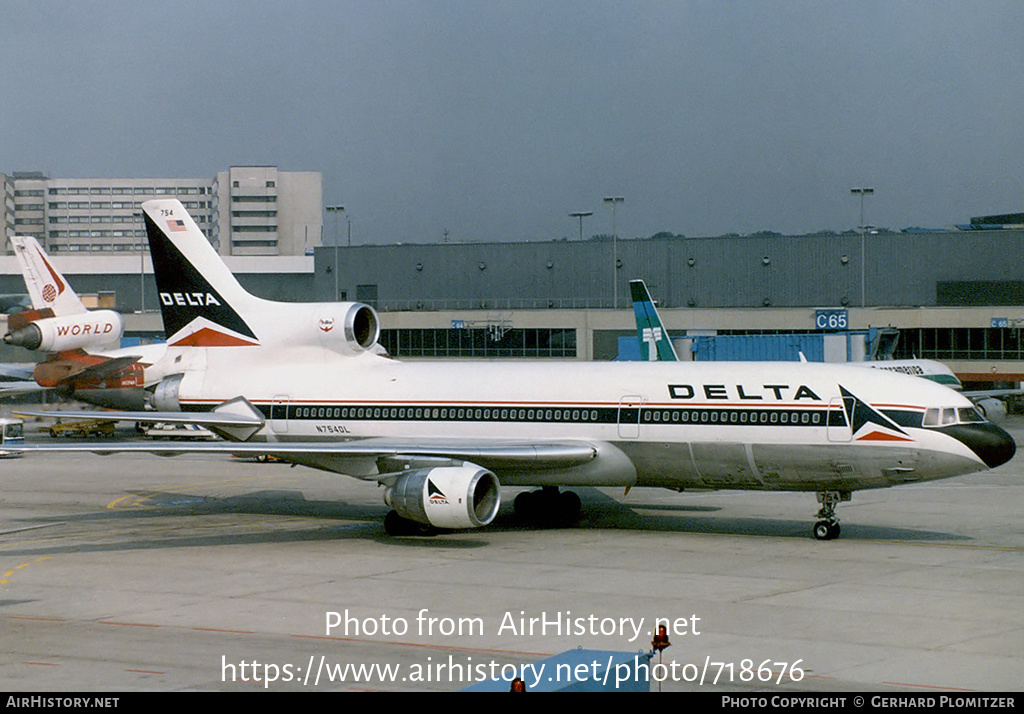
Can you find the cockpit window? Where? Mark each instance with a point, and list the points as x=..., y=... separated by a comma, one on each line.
x=968, y=415
x=952, y=415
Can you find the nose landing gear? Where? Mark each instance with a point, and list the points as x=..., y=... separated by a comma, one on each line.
x=828, y=527
x=826, y=530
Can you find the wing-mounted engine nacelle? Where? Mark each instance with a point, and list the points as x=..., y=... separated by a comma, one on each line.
x=992, y=408
x=347, y=327
x=97, y=328
x=465, y=496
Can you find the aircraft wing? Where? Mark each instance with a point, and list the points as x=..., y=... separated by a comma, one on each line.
x=225, y=419
x=990, y=393
x=376, y=458
x=363, y=458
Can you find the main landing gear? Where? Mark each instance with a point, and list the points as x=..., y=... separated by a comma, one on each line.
x=396, y=525
x=828, y=527
x=548, y=505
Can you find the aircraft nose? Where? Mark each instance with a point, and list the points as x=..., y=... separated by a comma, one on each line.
x=991, y=443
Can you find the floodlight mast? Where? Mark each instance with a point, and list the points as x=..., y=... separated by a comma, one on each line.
x=614, y=201
x=862, y=192
x=335, y=210
x=581, y=215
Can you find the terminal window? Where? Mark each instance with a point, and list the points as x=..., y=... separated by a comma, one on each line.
x=485, y=342
x=961, y=343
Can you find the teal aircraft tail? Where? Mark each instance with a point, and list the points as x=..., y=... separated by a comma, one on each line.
x=655, y=345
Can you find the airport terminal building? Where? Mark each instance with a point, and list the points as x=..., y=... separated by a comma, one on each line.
x=954, y=296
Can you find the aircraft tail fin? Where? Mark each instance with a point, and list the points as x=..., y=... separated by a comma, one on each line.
x=649, y=329
x=46, y=286
x=202, y=303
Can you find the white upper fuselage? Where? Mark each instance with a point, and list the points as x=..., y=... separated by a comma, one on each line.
x=682, y=425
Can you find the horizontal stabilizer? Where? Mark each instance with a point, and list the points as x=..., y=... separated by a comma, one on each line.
x=102, y=370
x=19, y=389
x=17, y=371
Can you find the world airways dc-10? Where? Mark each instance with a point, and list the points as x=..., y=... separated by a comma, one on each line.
x=301, y=382
x=84, y=358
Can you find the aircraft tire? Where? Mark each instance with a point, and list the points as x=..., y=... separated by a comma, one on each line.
x=396, y=525
x=548, y=506
x=823, y=530
x=527, y=505
x=569, y=505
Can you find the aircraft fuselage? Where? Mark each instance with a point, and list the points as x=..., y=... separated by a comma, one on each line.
x=763, y=426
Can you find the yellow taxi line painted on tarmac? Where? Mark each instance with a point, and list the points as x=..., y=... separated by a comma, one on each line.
x=5, y=579
x=141, y=496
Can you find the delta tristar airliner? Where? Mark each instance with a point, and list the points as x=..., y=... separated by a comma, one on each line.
x=301, y=382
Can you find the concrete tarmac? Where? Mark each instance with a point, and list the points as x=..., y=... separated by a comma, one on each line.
x=127, y=573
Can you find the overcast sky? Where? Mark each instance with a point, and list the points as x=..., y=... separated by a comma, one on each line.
x=495, y=119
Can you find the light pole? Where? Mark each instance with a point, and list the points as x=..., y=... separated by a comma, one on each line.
x=335, y=210
x=614, y=200
x=581, y=215
x=862, y=192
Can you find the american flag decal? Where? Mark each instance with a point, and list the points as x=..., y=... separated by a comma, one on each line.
x=176, y=225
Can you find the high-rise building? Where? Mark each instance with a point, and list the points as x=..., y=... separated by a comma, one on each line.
x=245, y=210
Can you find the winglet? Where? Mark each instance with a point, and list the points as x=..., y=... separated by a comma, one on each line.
x=649, y=329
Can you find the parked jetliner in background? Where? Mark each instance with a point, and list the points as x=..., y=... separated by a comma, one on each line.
x=989, y=402
x=656, y=345
x=301, y=382
x=85, y=360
